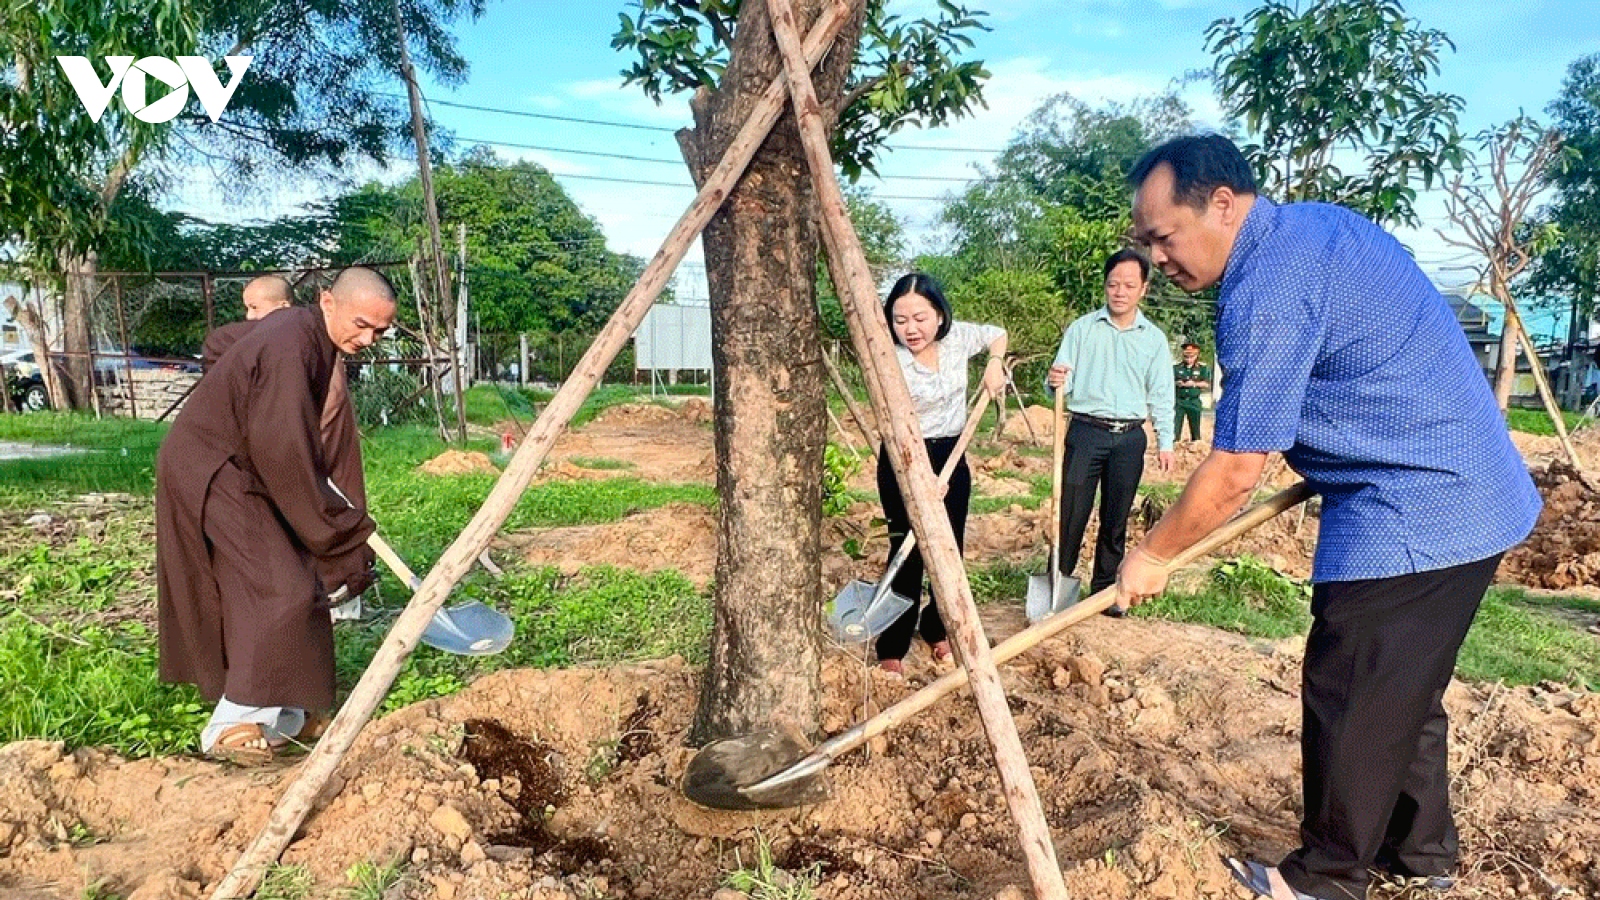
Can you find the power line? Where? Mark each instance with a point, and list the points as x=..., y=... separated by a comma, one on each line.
x=676, y=162
x=660, y=129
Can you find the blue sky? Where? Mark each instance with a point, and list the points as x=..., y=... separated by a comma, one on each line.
x=549, y=57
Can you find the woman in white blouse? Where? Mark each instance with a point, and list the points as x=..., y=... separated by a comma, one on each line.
x=933, y=350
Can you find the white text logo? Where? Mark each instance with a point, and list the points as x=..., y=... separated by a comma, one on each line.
x=188, y=72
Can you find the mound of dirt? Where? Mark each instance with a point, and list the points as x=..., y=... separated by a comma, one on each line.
x=459, y=462
x=695, y=410
x=1018, y=422
x=1156, y=748
x=1564, y=550
x=679, y=536
x=637, y=414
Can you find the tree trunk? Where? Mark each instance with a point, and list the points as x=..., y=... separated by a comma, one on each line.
x=764, y=669
x=76, y=340
x=1507, y=373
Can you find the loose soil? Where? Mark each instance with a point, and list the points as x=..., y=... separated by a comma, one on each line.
x=1156, y=748
x=459, y=462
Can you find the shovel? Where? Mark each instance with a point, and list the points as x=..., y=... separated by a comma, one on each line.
x=471, y=629
x=727, y=774
x=861, y=611
x=1050, y=593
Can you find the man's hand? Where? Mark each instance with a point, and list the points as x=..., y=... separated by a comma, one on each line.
x=1140, y=578
x=994, y=377
x=1058, y=376
x=356, y=571
x=1164, y=460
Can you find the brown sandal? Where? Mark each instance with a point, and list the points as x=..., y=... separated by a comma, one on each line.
x=244, y=744
x=316, y=726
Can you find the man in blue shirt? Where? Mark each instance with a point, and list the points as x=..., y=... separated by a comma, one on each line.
x=1338, y=351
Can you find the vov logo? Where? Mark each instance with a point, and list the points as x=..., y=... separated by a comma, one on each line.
x=188, y=72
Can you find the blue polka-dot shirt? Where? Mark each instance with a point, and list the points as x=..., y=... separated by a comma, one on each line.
x=1338, y=351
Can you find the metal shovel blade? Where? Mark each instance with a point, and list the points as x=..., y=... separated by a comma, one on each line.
x=856, y=618
x=718, y=770
x=1048, y=596
x=471, y=629
x=1040, y=594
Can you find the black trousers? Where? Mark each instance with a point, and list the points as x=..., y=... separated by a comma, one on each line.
x=895, y=640
x=1373, y=741
x=1096, y=459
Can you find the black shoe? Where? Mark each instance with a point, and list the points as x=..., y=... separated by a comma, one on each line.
x=1114, y=611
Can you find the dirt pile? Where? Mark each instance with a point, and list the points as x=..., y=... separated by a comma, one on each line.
x=1018, y=423
x=1156, y=747
x=696, y=410
x=1564, y=550
x=459, y=462
x=678, y=536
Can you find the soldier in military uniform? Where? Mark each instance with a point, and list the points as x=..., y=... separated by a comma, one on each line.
x=1191, y=377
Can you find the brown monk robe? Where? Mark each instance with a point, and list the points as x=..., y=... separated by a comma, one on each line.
x=341, y=438
x=245, y=517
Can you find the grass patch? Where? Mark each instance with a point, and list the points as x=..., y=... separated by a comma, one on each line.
x=1002, y=582
x=1523, y=640
x=763, y=879
x=600, y=616
x=1537, y=421
x=117, y=455
x=91, y=686
x=600, y=463
x=1243, y=595
x=1516, y=638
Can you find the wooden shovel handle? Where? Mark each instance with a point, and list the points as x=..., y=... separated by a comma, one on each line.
x=393, y=561
x=971, y=428
x=1058, y=456
x=1030, y=637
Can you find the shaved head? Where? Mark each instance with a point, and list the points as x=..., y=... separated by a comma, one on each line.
x=361, y=281
x=357, y=309
x=266, y=294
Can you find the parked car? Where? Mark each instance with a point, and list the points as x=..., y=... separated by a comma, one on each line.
x=26, y=385
x=23, y=381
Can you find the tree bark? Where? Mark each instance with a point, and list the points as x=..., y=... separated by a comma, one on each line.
x=1506, y=376
x=75, y=389
x=764, y=669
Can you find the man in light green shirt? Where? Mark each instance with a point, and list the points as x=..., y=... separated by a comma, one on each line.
x=1116, y=367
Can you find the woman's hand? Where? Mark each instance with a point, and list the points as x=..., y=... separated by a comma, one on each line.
x=994, y=377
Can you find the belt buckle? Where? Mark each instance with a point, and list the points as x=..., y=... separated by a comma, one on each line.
x=1120, y=427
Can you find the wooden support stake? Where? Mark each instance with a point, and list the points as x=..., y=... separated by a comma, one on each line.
x=458, y=558
x=863, y=419
x=908, y=455
x=843, y=435
x=1514, y=320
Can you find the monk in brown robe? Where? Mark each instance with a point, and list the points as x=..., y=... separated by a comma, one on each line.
x=250, y=536
x=341, y=438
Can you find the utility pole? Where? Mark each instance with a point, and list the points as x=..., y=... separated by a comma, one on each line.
x=441, y=289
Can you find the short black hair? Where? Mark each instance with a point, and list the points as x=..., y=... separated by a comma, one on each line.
x=926, y=286
x=1128, y=254
x=1200, y=164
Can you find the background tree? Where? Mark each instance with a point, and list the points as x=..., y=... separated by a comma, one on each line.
x=1026, y=243
x=1334, y=97
x=306, y=103
x=1489, y=205
x=761, y=261
x=1571, y=266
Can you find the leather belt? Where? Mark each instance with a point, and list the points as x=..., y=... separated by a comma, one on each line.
x=1115, y=426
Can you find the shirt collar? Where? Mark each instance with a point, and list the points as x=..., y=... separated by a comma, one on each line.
x=1139, y=321
x=1257, y=223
